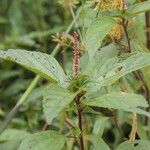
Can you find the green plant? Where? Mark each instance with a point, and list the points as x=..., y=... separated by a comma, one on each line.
x=99, y=85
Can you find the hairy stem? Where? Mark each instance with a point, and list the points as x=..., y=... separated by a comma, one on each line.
x=80, y=122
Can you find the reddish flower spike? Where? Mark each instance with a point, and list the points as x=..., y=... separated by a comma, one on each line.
x=75, y=54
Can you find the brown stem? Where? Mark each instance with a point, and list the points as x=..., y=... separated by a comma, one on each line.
x=147, y=17
x=138, y=72
x=45, y=127
x=124, y=24
x=69, y=124
x=77, y=101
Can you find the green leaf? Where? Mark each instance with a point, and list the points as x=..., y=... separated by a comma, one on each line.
x=99, y=125
x=138, y=8
x=9, y=74
x=93, y=67
x=120, y=101
x=96, y=33
x=43, y=141
x=115, y=68
x=98, y=143
x=40, y=63
x=13, y=134
x=10, y=145
x=143, y=145
x=55, y=99
x=125, y=146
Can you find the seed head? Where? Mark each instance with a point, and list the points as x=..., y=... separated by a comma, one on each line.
x=75, y=54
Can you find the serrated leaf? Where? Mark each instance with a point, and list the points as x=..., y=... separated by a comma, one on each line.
x=120, y=101
x=115, y=68
x=96, y=33
x=138, y=8
x=43, y=141
x=55, y=99
x=40, y=63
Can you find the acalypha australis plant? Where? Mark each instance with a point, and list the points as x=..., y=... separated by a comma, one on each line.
x=105, y=91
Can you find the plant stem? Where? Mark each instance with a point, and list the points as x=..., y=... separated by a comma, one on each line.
x=80, y=123
x=147, y=17
x=134, y=128
x=33, y=84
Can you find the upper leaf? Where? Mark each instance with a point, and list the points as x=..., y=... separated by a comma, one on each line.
x=138, y=8
x=55, y=99
x=96, y=33
x=40, y=63
x=43, y=141
x=115, y=68
x=121, y=101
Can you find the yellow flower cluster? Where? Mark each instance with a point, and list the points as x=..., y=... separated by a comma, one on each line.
x=117, y=31
x=106, y=5
x=68, y=3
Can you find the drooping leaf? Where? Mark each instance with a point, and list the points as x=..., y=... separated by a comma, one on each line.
x=55, y=99
x=138, y=8
x=96, y=33
x=115, y=68
x=40, y=63
x=120, y=101
x=43, y=141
